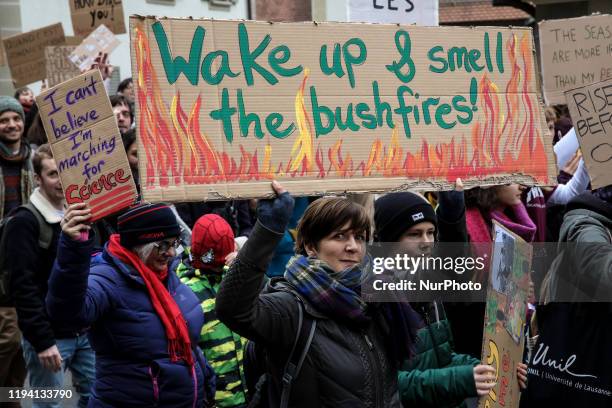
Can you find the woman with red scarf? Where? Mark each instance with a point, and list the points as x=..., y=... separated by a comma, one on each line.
x=144, y=323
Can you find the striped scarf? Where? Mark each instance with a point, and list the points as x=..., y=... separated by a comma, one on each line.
x=338, y=295
x=335, y=294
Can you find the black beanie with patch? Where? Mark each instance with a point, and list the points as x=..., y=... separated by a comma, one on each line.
x=147, y=223
x=394, y=213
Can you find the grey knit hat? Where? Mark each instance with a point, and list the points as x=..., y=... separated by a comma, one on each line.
x=8, y=103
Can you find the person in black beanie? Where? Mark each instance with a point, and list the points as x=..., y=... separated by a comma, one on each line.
x=145, y=324
x=449, y=379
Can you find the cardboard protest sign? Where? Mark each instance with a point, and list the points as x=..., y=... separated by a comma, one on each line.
x=73, y=40
x=101, y=40
x=86, y=144
x=2, y=57
x=223, y=107
x=505, y=312
x=87, y=15
x=591, y=111
x=25, y=53
x=403, y=12
x=58, y=65
x=574, y=52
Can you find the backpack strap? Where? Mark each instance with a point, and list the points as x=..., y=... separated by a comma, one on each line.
x=45, y=235
x=305, y=333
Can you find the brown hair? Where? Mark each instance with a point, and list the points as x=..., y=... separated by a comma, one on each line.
x=484, y=199
x=551, y=114
x=36, y=133
x=326, y=215
x=43, y=152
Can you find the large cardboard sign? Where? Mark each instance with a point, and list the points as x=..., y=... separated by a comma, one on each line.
x=591, y=111
x=395, y=11
x=223, y=107
x=86, y=144
x=2, y=57
x=503, y=338
x=87, y=15
x=102, y=40
x=58, y=65
x=574, y=52
x=25, y=53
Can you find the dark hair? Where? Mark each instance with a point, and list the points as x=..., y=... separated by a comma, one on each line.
x=43, y=152
x=124, y=84
x=36, y=132
x=119, y=100
x=485, y=199
x=21, y=90
x=116, y=100
x=128, y=138
x=326, y=215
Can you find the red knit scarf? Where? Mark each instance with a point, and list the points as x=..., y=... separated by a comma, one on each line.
x=179, y=344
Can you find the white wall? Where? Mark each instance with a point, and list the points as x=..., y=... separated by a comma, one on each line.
x=39, y=13
x=335, y=10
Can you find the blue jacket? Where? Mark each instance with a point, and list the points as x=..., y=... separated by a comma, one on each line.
x=133, y=367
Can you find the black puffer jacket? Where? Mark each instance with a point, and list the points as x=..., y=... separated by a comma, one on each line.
x=345, y=366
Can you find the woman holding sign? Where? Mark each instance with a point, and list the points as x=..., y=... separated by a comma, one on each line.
x=144, y=322
x=313, y=324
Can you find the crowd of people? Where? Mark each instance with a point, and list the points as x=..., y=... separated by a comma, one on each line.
x=258, y=303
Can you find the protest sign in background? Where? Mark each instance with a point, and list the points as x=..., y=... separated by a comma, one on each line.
x=87, y=15
x=73, y=40
x=86, y=144
x=101, y=40
x=25, y=53
x=58, y=65
x=503, y=333
x=574, y=52
x=403, y=12
x=591, y=111
x=223, y=107
x=2, y=57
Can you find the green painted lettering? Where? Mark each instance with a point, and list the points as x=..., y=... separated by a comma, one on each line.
x=499, y=53
x=174, y=67
x=223, y=69
x=336, y=68
x=350, y=59
x=249, y=57
x=441, y=111
x=280, y=55
x=246, y=119
x=404, y=46
x=368, y=120
x=433, y=57
x=456, y=56
x=224, y=114
x=381, y=107
x=274, y=121
x=317, y=111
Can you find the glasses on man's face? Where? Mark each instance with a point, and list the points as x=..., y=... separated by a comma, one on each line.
x=164, y=246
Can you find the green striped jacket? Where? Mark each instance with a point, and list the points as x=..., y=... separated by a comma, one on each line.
x=222, y=347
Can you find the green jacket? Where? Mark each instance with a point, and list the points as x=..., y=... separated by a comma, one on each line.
x=222, y=347
x=436, y=376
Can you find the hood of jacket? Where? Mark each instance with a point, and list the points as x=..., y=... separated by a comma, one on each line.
x=584, y=210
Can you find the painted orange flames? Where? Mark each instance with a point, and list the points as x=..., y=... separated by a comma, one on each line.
x=178, y=153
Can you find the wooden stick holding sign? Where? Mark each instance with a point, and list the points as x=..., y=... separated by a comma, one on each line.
x=86, y=144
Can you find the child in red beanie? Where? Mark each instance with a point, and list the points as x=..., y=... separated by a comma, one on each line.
x=202, y=269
